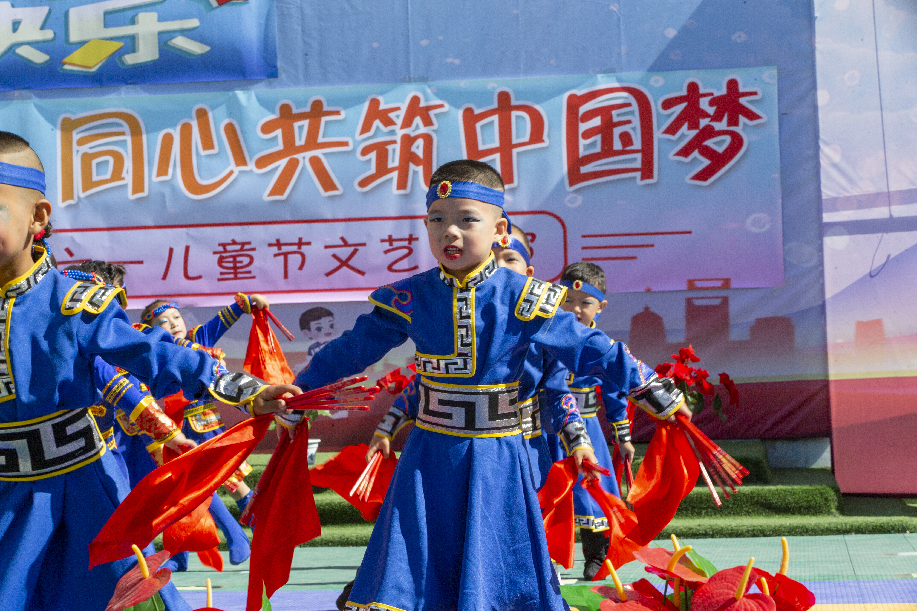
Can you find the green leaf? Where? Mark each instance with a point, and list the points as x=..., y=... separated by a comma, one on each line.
x=718, y=407
x=697, y=562
x=581, y=597
x=265, y=601
x=151, y=604
x=700, y=563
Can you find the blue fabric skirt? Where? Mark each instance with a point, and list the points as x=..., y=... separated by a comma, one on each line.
x=539, y=459
x=45, y=530
x=460, y=529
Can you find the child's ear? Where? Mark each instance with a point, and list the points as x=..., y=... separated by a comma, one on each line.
x=41, y=215
x=500, y=229
x=530, y=270
x=602, y=305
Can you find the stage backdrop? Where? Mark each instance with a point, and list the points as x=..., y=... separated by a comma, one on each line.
x=867, y=67
x=675, y=143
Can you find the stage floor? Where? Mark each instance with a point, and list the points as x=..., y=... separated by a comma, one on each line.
x=846, y=573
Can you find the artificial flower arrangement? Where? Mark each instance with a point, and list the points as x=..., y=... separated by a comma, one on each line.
x=692, y=583
x=716, y=467
x=694, y=384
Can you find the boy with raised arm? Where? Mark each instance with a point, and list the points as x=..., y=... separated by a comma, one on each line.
x=461, y=527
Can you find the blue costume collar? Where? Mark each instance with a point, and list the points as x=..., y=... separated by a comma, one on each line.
x=23, y=283
x=21, y=176
x=468, y=190
x=474, y=277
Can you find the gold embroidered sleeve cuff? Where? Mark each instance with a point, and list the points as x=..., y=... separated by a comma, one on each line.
x=153, y=421
x=659, y=397
x=622, y=431
x=392, y=422
x=244, y=302
x=238, y=389
x=574, y=436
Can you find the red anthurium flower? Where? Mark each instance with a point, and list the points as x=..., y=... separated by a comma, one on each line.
x=133, y=588
x=640, y=595
x=657, y=561
x=719, y=593
x=788, y=594
x=726, y=381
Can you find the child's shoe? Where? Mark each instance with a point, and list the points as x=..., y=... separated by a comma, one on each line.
x=595, y=547
x=341, y=601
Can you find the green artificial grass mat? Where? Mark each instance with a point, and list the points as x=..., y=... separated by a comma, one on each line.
x=785, y=526
x=762, y=501
x=812, y=476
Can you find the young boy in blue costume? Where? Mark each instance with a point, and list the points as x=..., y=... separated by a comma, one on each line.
x=542, y=389
x=585, y=284
x=140, y=428
x=542, y=385
x=202, y=419
x=460, y=527
x=58, y=482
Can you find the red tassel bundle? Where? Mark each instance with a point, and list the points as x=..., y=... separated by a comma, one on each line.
x=335, y=397
x=715, y=464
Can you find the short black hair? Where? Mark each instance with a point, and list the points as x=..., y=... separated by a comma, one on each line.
x=313, y=314
x=110, y=273
x=13, y=143
x=587, y=272
x=468, y=170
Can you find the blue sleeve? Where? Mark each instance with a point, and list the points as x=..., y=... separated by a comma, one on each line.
x=559, y=405
x=615, y=403
x=151, y=356
x=372, y=336
x=209, y=333
x=119, y=390
x=589, y=352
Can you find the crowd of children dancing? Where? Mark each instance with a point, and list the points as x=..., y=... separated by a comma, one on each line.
x=509, y=369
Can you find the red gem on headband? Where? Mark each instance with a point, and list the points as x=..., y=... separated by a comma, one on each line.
x=577, y=285
x=444, y=189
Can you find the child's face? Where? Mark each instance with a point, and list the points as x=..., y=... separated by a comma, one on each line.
x=171, y=320
x=320, y=330
x=462, y=231
x=23, y=214
x=510, y=259
x=584, y=305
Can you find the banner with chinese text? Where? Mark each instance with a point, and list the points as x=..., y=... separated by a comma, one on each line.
x=81, y=43
x=669, y=181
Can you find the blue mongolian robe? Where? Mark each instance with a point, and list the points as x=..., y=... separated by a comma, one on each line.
x=460, y=527
x=542, y=393
x=58, y=482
